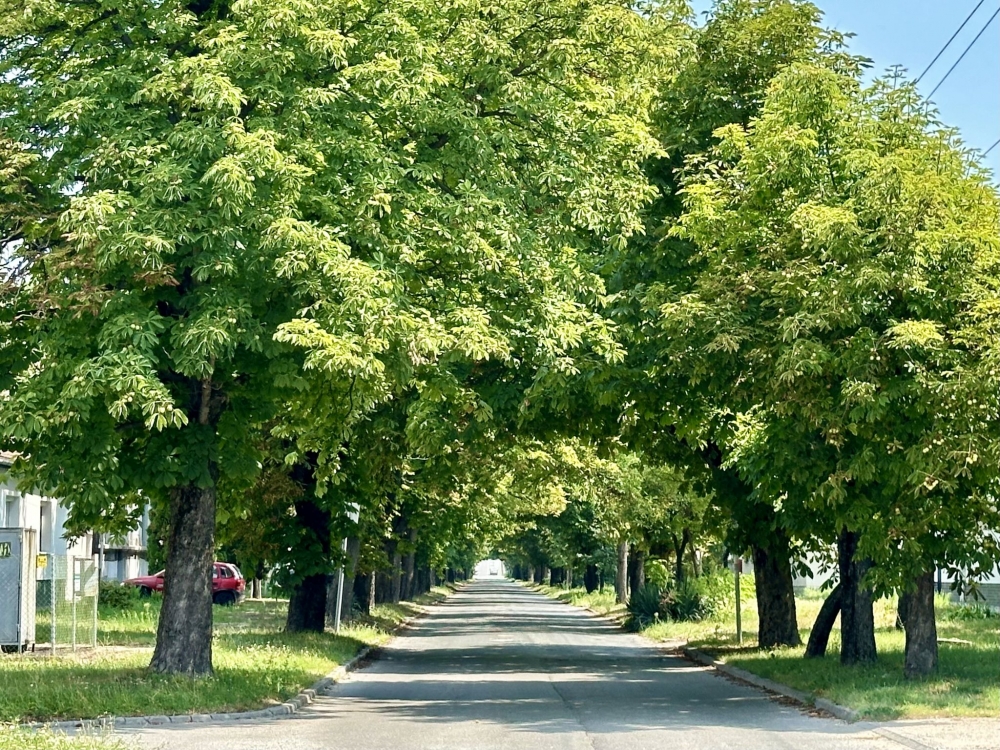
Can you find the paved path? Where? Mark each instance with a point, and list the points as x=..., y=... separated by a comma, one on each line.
x=499, y=666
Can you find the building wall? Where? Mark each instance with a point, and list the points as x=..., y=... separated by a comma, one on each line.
x=124, y=557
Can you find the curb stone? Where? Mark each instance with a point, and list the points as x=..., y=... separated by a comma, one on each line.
x=841, y=712
x=288, y=708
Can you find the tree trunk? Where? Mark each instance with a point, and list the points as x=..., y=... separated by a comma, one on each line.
x=569, y=577
x=679, y=547
x=533, y=575
x=371, y=591
x=184, y=633
x=307, y=605
x=621, y=578
x=772, y=572
x=921, y=629
x=637, y=570
x=546, y=575
x=347, y=598
x=397, y=577
x=819, y=636
x=857, y=616
x=591, y=578
x=695, y=562
x=409, y=569
x=902, y=608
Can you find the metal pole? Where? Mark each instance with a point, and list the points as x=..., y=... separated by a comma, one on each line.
x=737, y=569
x=340, y=587
x=72, y=583
x=52, y=586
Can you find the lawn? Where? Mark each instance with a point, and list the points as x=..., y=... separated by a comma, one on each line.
x=12, y=738
x=256, y=664
x=602, y=601
x=967, y=682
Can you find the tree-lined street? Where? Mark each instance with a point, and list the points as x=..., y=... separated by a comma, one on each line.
x=499, y=666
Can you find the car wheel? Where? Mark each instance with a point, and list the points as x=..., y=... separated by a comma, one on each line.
x=225, y=598
x=145, y=591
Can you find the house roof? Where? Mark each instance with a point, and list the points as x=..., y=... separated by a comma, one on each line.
x=7, y=458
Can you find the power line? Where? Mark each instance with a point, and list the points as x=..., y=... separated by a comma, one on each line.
x=987, y=151
x=948, y=43
x=962, y=57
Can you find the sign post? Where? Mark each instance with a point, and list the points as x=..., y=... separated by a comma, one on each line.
x=354, y=514
x=737, y=569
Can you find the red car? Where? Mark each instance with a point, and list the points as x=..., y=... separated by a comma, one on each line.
x=227, y=584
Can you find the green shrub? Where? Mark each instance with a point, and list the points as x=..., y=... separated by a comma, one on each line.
x=966, y=612
x=643, y=607
x=114, y=595
x=685, y=602
x=657, y=573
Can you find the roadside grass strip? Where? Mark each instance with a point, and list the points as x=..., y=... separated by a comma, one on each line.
x=967, y=683
x=257, y=665
x=14, y=738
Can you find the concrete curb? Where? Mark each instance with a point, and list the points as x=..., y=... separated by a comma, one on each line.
x=282, y=710
x=841, y=712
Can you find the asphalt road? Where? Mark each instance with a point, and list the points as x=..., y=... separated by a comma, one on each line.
x=499, y=666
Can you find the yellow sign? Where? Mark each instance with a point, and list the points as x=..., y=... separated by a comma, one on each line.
x=41, y=561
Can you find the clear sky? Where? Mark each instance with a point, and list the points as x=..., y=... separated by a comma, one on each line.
x=910, y=33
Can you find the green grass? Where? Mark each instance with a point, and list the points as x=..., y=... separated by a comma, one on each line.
x=967, y=682
x=601, y=602
x=256, y=664
x=12, y=738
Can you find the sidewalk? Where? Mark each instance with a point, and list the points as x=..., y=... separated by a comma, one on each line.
x=944, y=734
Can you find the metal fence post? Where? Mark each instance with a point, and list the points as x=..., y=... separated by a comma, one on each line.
x=52, y=593
x=71, y=583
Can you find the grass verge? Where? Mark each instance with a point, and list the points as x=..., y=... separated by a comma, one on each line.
x=967, y=682
x=601, y=602
x=256, y=664
x=12, y=738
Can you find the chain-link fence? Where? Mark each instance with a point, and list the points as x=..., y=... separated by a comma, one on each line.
x=66, y=602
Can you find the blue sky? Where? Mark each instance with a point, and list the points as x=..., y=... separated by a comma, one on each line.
x=910, y=33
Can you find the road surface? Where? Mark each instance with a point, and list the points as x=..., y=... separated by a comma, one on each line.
x=499, y=666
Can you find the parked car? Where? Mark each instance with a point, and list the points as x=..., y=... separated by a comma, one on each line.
x=228, y=584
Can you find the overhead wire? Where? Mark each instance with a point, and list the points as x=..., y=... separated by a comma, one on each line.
x=987, y=151
x=964, y=53
x=948, y=43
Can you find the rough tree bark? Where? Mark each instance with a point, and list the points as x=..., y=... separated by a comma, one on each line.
x=772, y=571
x=621, y=576
x=921, y=629
x=397, y=577
x=680, y=545
x=409, y=569
x=819, y=636
x=184, y=633
x=637, y=570
x=902, y=607
x=307, y=605
x=857, y=616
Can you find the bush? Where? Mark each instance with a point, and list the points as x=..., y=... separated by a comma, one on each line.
x=685, y=602
x=967, y=612
x=643, y=607
x=114, y=595
x=657, y=573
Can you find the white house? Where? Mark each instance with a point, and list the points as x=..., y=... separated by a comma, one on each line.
x=122, y=557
